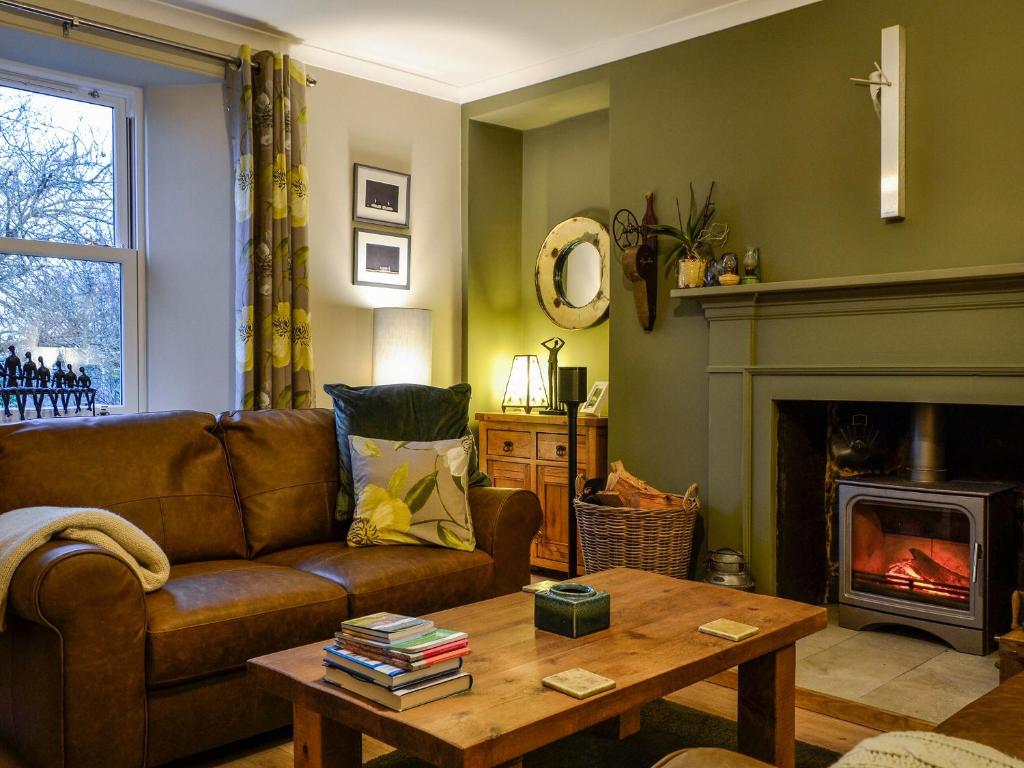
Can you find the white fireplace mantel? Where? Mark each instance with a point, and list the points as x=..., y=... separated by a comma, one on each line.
x=943, y=336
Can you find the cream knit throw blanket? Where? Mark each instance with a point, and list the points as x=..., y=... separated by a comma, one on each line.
x=921, y=749
x=24, y=530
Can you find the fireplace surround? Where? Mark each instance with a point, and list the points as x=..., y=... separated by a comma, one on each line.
x=940, y=336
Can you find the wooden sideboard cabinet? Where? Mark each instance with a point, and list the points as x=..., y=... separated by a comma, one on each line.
x=531, y=451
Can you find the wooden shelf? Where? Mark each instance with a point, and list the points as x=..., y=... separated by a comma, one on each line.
x=921, y=277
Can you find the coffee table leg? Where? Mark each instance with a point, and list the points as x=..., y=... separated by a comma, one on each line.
x=323, y=743
x=621, y=727
x=766, y=711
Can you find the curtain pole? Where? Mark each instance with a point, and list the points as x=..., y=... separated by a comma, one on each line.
x=69, y=23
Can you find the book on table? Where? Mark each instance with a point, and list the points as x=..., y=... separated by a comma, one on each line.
x=433, y=643
x=386, y=674
x=386, y=627
x=397, y=661
x=446, y=653
x=401, y=699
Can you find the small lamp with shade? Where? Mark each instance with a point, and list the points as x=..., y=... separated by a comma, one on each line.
x=525, y=386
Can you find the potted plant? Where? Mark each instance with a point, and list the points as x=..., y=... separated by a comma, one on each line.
x=696, y=240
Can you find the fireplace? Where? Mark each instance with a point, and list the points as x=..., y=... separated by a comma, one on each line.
x=933, y=556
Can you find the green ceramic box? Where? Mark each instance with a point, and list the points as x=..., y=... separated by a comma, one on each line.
x=572, y=610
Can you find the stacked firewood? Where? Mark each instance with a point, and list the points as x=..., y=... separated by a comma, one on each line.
x=626, y=490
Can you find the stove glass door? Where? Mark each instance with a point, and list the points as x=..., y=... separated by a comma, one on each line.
x=920, y=553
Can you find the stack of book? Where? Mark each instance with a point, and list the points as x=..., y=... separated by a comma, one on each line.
x=397, y=661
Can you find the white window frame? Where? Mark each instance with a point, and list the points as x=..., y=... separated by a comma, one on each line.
x=126, y=251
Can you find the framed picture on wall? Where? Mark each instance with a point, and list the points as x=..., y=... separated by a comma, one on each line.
x=380, y=196
x=596, y=399
x=380, y=258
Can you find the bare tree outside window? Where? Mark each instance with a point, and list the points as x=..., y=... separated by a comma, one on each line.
x=57, y=185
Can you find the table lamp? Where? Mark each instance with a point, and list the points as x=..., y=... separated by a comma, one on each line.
x=525, y=385
x=401, y=345
x=572, y=390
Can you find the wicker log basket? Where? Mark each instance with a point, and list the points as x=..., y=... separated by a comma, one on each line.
x=659, y=539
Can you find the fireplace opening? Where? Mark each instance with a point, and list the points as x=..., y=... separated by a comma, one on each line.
x=902, y=517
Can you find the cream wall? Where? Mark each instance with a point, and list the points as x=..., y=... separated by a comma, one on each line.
x=353, y=120
x=189, y=264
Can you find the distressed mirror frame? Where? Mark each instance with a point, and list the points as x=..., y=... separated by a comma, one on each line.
x=560, y=239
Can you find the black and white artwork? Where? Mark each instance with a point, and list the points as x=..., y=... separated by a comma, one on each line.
x=380, y=196
x=380, y=259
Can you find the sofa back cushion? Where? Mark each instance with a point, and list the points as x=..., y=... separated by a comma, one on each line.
x=285, y=467
x=165, y=472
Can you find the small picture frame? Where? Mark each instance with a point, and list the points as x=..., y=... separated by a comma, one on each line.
x=596, y=399
x=380, y=258
x=380, y=196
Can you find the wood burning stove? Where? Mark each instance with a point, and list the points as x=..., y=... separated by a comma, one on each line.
x=935, y=556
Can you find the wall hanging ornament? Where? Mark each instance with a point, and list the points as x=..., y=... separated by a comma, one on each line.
x=639, y=259
x=887, y=88
x=572, y=275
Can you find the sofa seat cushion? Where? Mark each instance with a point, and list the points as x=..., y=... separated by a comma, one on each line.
x=212, y=617
x=403, y=579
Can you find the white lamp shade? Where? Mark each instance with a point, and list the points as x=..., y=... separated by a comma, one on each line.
x=402, y=345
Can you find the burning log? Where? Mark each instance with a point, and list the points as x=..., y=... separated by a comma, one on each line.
x=924, y=568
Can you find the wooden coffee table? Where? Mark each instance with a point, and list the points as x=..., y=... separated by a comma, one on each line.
x=652, y=649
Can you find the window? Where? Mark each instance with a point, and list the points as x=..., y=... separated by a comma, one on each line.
x=69, y=265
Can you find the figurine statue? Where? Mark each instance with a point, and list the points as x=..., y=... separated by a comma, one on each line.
x=28, y=371
x=552, y=345
x=58, y=375
x=43, y=374
x=83, y=378
x=752, y=265
x=12, y=366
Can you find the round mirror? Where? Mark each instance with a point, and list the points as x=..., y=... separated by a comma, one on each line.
x=572, y=274
x=578, y=273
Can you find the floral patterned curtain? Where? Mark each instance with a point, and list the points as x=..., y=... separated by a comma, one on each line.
x=267, y=111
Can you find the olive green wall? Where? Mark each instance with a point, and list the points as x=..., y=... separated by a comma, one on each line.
x=493, y=169
x=565, y=173
x=523, y=183
x=766, y=109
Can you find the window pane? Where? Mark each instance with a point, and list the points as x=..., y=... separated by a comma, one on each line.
x=56, y=169
x=67, y=310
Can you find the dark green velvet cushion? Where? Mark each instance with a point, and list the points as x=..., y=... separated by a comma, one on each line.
x=397, y=412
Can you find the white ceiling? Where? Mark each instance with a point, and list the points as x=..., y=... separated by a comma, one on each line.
x=462, y=50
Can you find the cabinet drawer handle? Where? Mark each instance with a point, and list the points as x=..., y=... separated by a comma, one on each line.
x=507, y=446
x=560, y=451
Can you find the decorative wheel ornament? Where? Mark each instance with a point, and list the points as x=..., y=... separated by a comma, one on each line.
x=626, y=229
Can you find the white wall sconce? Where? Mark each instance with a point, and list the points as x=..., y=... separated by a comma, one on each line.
x=887, y=88
x=402, y=345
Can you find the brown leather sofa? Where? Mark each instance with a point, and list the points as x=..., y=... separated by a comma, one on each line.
x=993, y=720
x=93, y=672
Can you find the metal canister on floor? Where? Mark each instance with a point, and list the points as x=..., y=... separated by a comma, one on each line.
x=728, y=568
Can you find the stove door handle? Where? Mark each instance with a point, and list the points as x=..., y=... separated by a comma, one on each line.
x=976, y=563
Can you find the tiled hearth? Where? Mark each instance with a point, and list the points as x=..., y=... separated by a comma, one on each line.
x=893, y=670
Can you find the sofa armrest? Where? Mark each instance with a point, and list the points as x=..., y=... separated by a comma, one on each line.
x=504, y=522
x=73, y=659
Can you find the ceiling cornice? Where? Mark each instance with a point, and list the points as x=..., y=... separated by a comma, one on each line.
x=675, y=31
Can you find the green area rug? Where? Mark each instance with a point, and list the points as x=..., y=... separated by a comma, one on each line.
x=666, y=727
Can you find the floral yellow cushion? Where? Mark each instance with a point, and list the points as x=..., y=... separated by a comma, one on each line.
x=411, y=493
